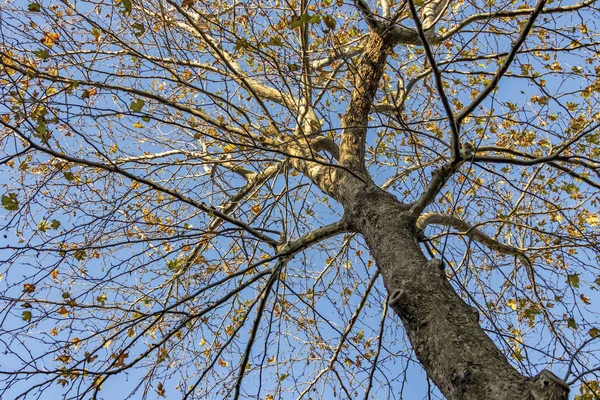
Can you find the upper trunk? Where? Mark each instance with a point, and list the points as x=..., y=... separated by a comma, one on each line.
x=444, y=331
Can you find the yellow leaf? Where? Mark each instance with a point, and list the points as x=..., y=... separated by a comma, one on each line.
x=512, y=303
x=585, y=299
x=229, y=148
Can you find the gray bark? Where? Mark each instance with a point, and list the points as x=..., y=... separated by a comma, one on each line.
x=458, y=356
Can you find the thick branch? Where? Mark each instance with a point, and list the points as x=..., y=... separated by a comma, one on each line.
x=355, y=122
x=465, y=228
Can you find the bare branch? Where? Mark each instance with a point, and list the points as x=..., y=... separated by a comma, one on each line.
x=507, y=62
x=454, y=124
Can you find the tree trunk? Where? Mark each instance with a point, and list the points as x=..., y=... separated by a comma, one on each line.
x=444, y=331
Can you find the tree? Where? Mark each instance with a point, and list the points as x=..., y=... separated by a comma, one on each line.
x=300, y=199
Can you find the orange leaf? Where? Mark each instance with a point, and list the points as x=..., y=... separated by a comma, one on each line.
x=49, y=39
x=63, y=311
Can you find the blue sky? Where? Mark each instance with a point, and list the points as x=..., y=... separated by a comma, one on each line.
x=121, y=270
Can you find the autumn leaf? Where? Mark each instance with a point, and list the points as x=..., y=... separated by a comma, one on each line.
x=160, y=389
x=89, y=357
x=593, y=220
x=187, y=3
x=49, y=39
x=63, y=311
x=28, y=288
x=63, y=358
x=54, y=274
x=120, y=359
x=43, y=226
x=87, y=93
x=229, y=148
x=585, y=299
x=594, y=332
x=101, y=299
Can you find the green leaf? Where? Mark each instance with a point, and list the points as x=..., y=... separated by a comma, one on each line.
x=138, y=29
x=101, y=299
x=42, y=54
x=79, y=255
x=55, y=224
x=573, y=280
x=125, y=7
x=329, y=21
x=175, y=265
x=26, y=316
x=146, y=118
x=69, y=176
x=314, y=19
x=275, y=41
x=594, y=332
x=10, y=202
x=571, y=323
x=42, y=131
x=137, y=105
x=34, y=7
x=304, y=19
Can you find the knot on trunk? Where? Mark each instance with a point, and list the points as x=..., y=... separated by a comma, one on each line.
x=462, y=379
x=547, y=386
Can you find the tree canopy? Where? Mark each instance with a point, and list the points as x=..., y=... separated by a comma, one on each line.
x=232, y=199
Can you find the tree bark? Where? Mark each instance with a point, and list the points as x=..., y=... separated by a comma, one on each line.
x=444, y=331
